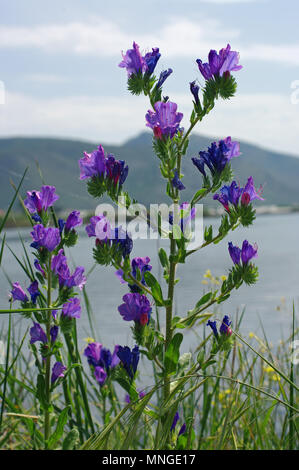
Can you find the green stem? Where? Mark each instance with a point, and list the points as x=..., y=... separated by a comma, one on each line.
x=169, y=310
x=47, y=425
x=71, y=350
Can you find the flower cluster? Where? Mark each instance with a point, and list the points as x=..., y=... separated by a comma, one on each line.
x=101, y=360
x=60, y=267
x=219, y=64
x=232, y=194
x=217, y=156
x=106, y=167
x=135, y=63
x=244, y=254
x=136, y=307
x=109, y=241
x=51, y=270
x=225, y=329
x=17, y=293
x=38, y=202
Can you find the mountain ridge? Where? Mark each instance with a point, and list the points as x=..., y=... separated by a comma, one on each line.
x=58, y=160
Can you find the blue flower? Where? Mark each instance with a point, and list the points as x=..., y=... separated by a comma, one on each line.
x=176, y=182
x=129, y=359
x=217, y=156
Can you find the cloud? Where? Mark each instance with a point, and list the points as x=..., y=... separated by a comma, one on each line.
x=178, y=38
x=269, y=120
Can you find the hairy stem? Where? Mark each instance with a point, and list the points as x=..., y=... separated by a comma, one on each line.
x=47, y=426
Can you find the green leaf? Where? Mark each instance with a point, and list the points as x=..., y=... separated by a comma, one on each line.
x=204, y=299
x=41, y=391
x=71, y=440
x=155, y=288
x=163, y=258
x=57, y=434
x=172, y=353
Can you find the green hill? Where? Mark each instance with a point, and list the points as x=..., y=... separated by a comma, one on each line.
x=57, y=158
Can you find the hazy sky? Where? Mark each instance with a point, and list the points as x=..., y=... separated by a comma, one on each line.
x=59, y=66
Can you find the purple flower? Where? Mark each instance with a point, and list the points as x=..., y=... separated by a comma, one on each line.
x=165, y=118
x=61, y=224
x=72, y=221
x=249, y=193
x=116, y=170
x=100, y=375
x=54, y=333
x=248, y=252
x=163, y=76
x=217, y=156
x=245, y=254
x=33, y=291
x=48, y=238
x=235, y=253
x=139, y=265
x=33, y=202
x=57, y=371
x=18, y=293
x=90, y=229
x=224, y=62
x=115, y=359
x=97, y=164
x=174, y=422
x=43, y=199
x=183, y=429
x=194, y=90
x=133, y=61
x=59, y=266
x=93, y=353
x=39, y=268
x=213, y=325
x=92, y=164
x=225, y=326
x=151, y=59
x=122, y=238
x=37, y=334
x=72, y=308
x=229, y=195
x=77, y=278
x=136, y=307
x=99, y=356
x=176, y=182
x=129, y=359
x=225, y=329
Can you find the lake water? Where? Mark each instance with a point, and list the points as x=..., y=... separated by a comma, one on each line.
x=269, y=301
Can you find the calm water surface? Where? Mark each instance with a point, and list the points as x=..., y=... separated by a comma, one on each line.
x=269, y=301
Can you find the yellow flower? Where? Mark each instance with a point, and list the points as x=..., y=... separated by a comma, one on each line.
x=208, y=274
x=89, y=340
x=223, y=278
